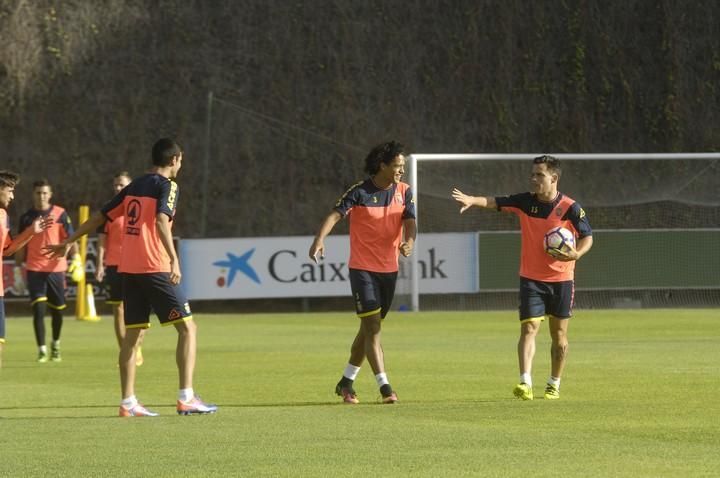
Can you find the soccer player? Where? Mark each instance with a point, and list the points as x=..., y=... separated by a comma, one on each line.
x=9, y=245
x=547, y=284
x=46, y=277
x=151, y=275
x=107, y=262
x=381, y=212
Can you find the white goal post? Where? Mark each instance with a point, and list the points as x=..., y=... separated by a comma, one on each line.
x=415, y=159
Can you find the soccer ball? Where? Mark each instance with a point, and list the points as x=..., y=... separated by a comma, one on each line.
x=557, y=239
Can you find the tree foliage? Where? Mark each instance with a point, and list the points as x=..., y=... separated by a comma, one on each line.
x=303, y=89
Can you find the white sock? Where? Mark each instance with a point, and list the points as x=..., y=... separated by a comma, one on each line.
x=381, y=379
x=526, y=378
x=129, y=402
x=554, y=381
x=185, y=394
x=43, y=349
x=351, y=371
x=56, y=344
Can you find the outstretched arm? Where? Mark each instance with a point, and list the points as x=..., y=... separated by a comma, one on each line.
x=38, y=225
x=61, y=250
x=467, y=201
x=317, y=249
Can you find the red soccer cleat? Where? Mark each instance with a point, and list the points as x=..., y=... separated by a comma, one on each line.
x=347, y=394
x=390, y=399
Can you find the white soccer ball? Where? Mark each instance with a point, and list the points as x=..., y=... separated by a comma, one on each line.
x=558, y=239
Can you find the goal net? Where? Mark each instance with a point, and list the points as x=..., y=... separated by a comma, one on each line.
x=655, y=219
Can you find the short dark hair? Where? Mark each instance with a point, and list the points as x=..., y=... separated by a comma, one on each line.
x=164, y=150
x=38, y=183
x=8, y=179
x=551, y=162
x=382, y=153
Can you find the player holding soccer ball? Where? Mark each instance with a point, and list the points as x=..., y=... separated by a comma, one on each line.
x=546, y=276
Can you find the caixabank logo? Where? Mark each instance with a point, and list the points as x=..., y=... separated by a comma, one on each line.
x=234, y=264
x=283, y=266
x=263, y=267
x=287, y=266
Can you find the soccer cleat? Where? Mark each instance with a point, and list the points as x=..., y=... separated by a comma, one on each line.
x=195, y=407
x=55, y=355
x=551, y=392
x=347, y=393
x=42, y=357
x=136, y=411
x=390, y=399
x=523, y=391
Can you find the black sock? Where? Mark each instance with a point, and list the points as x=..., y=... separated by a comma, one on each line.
x=57, y=323
x=39, y=322
x=386, y=390
x=345, y=382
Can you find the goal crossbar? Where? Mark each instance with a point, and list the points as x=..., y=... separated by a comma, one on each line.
x=413, y=160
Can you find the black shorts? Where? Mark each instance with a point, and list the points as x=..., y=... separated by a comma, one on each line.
x=145, y=292
x=538, y=299
x=47, y=287
x=372, y=292
x=113, y=285
x=2, y=320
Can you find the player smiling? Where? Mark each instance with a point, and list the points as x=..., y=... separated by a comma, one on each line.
x=547, y=284
x=381, y=212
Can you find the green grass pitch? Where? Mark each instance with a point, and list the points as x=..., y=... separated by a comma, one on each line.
x=640, y=398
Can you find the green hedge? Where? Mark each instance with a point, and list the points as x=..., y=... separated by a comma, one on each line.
x=618, y=259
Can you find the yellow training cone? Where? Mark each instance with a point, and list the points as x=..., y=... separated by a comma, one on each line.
x=90, y=312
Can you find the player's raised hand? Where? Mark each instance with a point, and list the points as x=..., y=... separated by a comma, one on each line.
x=317, y=251
x=462, y=198
x=41, y=223
x=56, y=251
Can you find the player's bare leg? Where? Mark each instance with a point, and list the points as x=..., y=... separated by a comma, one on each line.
x=559, y=347
x=357, y=349
x=371, y=327
x=526, y=352
x=129, y=406
x=186, y=352
x=526, y=345
x=126, y=361
x=119, y=325
x=558, y=354
x=344, y=387
x=188, y=403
